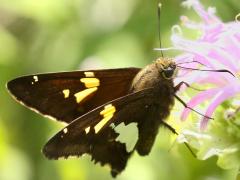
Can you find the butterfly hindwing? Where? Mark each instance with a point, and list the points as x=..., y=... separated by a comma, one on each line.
x=67, y=95
x=94, y=134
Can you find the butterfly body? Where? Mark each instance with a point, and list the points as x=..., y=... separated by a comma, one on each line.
x=93, y=103
x=159, y=108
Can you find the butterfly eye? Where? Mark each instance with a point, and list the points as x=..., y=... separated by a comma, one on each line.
x=168, y=72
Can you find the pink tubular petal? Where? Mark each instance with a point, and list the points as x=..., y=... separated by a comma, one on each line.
x=223, y=58
x=204, y=52
x=208, y=17
x=191, y=77
x=219, y=81
x=226, y=93
x=199, y=49
x=190, y=24
x=211, y=32
x=237, y=36
x=203, y=60
x=199, y=99
x=232, y=45
x=183, y=58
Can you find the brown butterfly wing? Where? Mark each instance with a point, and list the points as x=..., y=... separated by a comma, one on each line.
x=81, y=136
x=54, y=94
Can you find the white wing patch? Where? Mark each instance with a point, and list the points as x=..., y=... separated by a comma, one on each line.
x=35, y=79
x=128, y=134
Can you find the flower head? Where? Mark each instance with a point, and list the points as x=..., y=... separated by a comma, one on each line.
x=218, y=47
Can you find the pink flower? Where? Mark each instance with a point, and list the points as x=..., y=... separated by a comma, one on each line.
x=218, y=47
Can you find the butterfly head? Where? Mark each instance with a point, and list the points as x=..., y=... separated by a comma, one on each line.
x=167, y=68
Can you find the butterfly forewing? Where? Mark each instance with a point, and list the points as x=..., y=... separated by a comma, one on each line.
x=93, y=133
x=68, y=95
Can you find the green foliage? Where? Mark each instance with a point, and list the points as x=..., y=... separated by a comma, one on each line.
x=221, y=139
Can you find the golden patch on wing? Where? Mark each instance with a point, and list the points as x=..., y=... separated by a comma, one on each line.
x=107, y=114
x=89, y=74
x=87, y=129
x=90, y=82
x=66, y=93
x=85, y=93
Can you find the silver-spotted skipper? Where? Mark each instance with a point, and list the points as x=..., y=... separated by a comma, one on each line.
x=93, y=103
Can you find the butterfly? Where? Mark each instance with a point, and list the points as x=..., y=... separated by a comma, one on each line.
x=94, y=102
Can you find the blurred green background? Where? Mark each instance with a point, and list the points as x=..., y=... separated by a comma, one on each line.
x=64, y=35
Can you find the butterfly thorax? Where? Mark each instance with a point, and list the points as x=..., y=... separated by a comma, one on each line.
x=158, y=75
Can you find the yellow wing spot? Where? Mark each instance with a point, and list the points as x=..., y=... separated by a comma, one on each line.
x=108, y=110
x=66, y=93
x=87, y=129
x=90, y=82
x=65, y=130
x=107, y=114
x=35, y=78
x=85, y=93
x=89, y=74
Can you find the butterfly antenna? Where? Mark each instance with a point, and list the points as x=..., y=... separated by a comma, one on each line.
x=209, y=70
x=159, y=28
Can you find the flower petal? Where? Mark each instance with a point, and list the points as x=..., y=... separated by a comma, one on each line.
x=203, y=96
x=208, y=17
x=225, y=93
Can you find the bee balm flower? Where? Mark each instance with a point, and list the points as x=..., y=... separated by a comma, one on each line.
x=218, y=47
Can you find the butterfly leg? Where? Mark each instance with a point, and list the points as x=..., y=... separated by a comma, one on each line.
x=175, y=132
x=186, y=106
x=177, y=87
x=169, y=127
